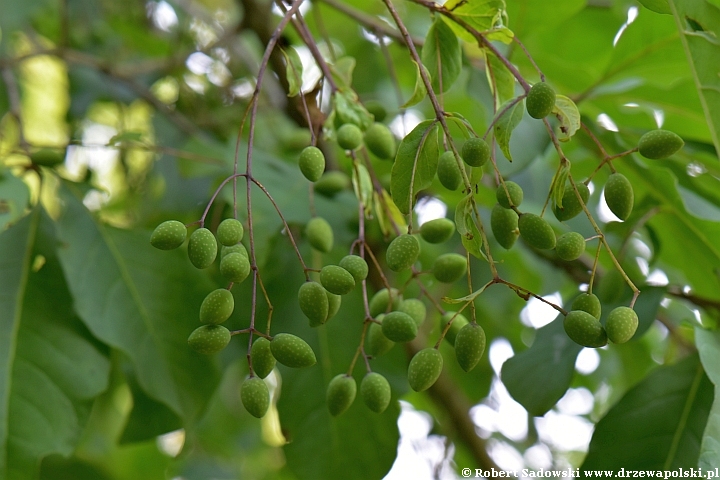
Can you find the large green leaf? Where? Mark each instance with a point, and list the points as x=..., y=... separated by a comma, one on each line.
x=141, y=301
x=538, y=377
x=442, y=56
x=415, y=164
x=708, y=344
x=50, y=367
x=658, y=424
x=508, y=117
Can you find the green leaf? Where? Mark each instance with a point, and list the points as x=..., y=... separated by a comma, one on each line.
x=349, y=109
x=461, y=122
x=293, y=71
x=657, y=6
x=501, y=81
x=442, y=55
x=538, y=377
x=125, y=137
x=420, y=90
x=50, y=367
x=14, y=197
x=507, y=118
x=569, y=116
x=462, y=210
x=388, y=213
x=362, y=185
x=658, y=424
x=472, y=239
x=482, y=15
x=415, y=164
x=131, y=295
x=557, y=186
x=708, y=344
x=698, y=22
x=342, y=71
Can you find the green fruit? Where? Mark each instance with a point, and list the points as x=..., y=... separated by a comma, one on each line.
x=235, y=267
x=437, y=231
x=657, y=144
x=349, y=136
x=476, y=152
x=336, y=280
x=334, y=302
x=332, y=183
x=402, y=252
x=209, y=339
x=515, y=191
x=229, y=232
x=356, y=265
x=584, y=329
x=621, y=324
x=239, y=248
x=619, y=195
x=399, y=327
x=320, y=235
x=469, y=346
x=314, y=303
x=375, y=392
x=504, y=225
x=377, y=343
x=217, y=306
x=379, y=301
x=377, y=109
x=570, y=246
x=448, y=171
x=380, y=141
x=457, y=324
x=312, y=163
x=292, y=351
x=570, y=204
x=424, y=369
x=536, y=231
x=48, y=157
x=168, y=235
x=263, y=361
x=540, y=100
x=340, y=394
x=449, y=267
x=588, y=302
x=202, y=248
x=255, y=396
x=415, y=308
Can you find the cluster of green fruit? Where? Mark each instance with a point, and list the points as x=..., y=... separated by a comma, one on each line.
x=582, y=323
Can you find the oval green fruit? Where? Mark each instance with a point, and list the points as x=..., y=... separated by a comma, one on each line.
x=588, y=302
x=449, y=267
x=202, y=248
x=379, y=302
x=457, y=324
x=356, y=265
x=292, y=351
x=375, y=392
x=540, y=100
x=536, y=231
x=399, y=327
x=336, y=280
x=504, y=225
x=571, y=206
x=235, y=267
x=380, y=141
x=570, y=246
x=255, y=396
x=314, y=303
x=377, y=109
x=448, y=171
x=209, y=339
x=469, y=346
x=402, y=252
x=349, y=136
x=514, y=191
x=263, y=361
x=229, y=232
x=340, y=394
x=584, y=329
x=621, y=324
x=438, y=230
x=320, y=235
x=619, y=195
x=415, y=308
x=332, y=183
x=217, y=306
x=168, y=235
x=658, y=144
x=239, y=248
x=334, y=302
x=312, y=163
x=476, y=152
x=424, y=369
x=377, y=343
